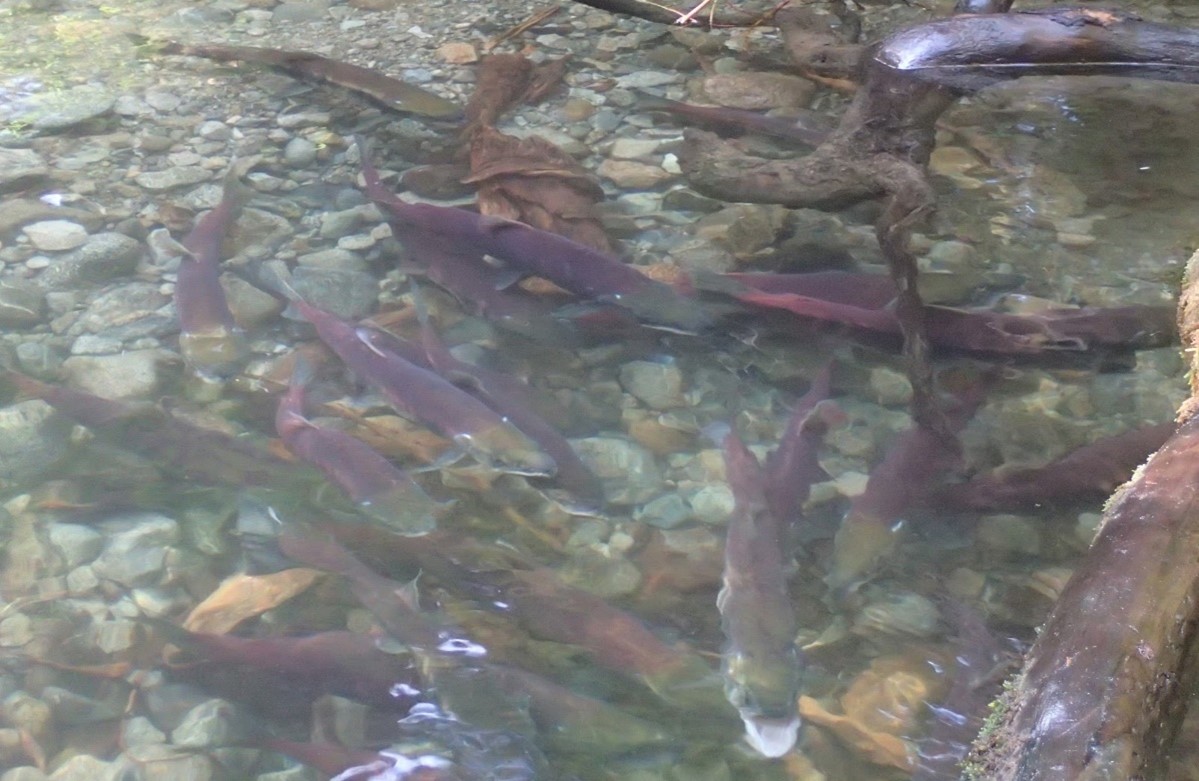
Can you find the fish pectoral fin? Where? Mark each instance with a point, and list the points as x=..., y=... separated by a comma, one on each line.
x=508, y=278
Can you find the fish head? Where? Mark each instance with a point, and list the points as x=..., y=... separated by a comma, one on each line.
x=217, y=352
x=859, y=545
x=772, y=738
x=764, y=688
x=506, y=449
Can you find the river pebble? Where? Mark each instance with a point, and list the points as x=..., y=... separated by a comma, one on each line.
x=103, y=256
x=348, y=294
x=712, y=504
x=55, y=235
x=759, y=91
x=15, y=631
x=630, y=174
x=77, y=105
x=1010, y=534
x=135, y=552
x=18, y=167
x=628, y=470
x=22, y=303
x=165, y=763
x=72, y=708
x=32, y=439
x=131, y=311
x=172, y=178
x=134, y=374
x=211, y=724
x=84, y=767
x=75, y=543
x=657, y=385
x=664, y=512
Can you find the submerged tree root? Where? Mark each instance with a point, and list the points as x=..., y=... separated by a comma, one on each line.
x=883, y=144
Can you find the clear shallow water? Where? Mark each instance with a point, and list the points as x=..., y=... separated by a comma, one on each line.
x=1109, y=163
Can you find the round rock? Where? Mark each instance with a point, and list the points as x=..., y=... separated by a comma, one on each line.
x=32, y=439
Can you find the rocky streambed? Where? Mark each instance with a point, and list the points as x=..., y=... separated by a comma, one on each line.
x=103, y=142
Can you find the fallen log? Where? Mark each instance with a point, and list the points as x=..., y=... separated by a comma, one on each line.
x=1102, y=693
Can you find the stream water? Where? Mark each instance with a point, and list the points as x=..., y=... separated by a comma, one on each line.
x=1058, y=191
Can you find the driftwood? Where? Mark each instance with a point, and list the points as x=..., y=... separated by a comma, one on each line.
x=1101, y=695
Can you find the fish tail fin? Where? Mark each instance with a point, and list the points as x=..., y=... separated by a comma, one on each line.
x=435, y=349
x=289, y=415
x=321, y=552
x=174, y=634
x=372, y=182
x=234, y=188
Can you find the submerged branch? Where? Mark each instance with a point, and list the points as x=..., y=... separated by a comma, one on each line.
x=883, y=144
x=663, y=13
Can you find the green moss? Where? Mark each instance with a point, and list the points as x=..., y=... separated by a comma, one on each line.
x=974, y=766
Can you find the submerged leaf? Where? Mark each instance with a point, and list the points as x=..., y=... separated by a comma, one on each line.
x=877, y=747
x=535, y=182
x=244, y=596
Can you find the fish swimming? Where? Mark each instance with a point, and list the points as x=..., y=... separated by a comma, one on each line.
x=874, y=522
x=584, y=492
x=761, y=663
x=382, y=491
x=527, y=251
x=210, y=341
x=425, y=396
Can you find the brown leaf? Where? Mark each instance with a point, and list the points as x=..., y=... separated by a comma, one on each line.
x=535, y=182
x=500, y=81
x=393, y=436
x=504, y=80
x=244, y=596
x=877, y=747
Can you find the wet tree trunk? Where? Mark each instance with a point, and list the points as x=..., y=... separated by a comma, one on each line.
x=1100, y=695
